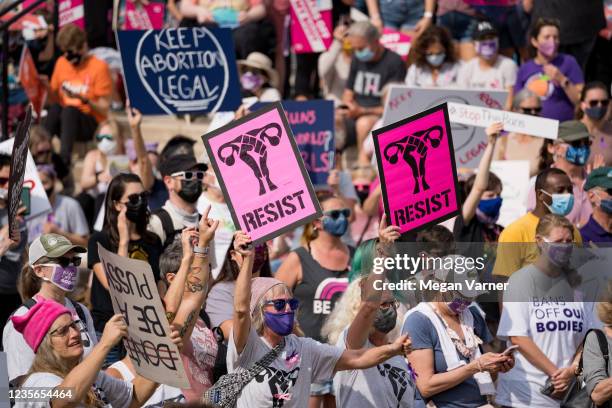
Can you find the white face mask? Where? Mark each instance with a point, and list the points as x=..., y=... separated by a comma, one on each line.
x=107, y=146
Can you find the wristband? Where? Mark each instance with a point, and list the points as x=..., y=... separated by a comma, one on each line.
x=200, y=250
x=428, y=14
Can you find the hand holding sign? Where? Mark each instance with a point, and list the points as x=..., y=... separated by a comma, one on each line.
x=114, y=331
x=243, y=244
x=493, y=131
x=17, y=172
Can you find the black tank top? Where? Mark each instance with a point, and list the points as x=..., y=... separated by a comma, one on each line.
x=318, y=292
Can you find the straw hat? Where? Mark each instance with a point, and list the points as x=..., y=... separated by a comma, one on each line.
x=260, y=61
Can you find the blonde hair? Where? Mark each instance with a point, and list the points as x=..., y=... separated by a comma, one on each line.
x=310, y=232
x=604, y=307
x=38, y=134
x=344, y=312
x=550, y=221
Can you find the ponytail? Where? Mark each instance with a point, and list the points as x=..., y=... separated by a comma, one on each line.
x=28, y=283
x=310, y=234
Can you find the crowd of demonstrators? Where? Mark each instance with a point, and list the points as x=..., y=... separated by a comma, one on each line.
x=231, y=304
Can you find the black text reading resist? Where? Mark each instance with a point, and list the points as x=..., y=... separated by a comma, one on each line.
x=272, y=212
x=421, y=208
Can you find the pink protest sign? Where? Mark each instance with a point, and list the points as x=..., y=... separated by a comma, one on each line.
x=416, y=164
x=144, y=17
x=71, y=12
x=311, y=25
x=396, y=41
x=262, y=175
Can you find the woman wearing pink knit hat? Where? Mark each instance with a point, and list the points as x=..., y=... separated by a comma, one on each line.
x=280, y=367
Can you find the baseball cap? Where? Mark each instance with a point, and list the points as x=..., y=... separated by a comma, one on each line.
x=51, y=246
x=572, y=130
x=601, y=177
x=180, y=162
x=178, y=145
x=484, y=29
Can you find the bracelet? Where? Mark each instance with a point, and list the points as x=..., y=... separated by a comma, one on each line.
x=201, y=256
x=428, y=14
x=198, y=250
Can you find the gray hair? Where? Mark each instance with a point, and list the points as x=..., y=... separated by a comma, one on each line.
x=521, y=96
x=366, y=30
x=170, y=261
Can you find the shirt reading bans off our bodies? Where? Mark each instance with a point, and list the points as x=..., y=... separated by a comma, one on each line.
x=91, y=79
x=541, y=308
x=286, y=382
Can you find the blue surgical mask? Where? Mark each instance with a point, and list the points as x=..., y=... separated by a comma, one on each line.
x=364, y=54
x=280, y=323
x=435, y=60
x=336, y=227
x=577, y=155
x=490, y=207
x=605, y=205
x=561, y=204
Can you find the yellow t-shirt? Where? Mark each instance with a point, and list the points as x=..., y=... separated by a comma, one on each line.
x=512, y=253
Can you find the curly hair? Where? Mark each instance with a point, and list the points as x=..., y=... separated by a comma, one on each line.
x=433, y=34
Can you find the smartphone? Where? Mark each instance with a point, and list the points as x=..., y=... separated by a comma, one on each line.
x=510, y=350
x=25, y=200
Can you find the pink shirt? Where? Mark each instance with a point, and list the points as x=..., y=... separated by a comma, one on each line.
x=199, y=355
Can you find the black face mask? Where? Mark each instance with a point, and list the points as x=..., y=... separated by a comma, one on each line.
x=49, y=191
x=137, y=213
x=74, y=57
x=191, y=190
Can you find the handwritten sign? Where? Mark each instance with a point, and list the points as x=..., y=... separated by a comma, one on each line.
x=262, y=175
x=30, y=81
x=396, y=41
x=180, y=70
x=514, y=175
x=312, y=123
x=72, y=12
x=134, y=294
x=311, y=25
x=470, y=141
x=144, y=16
x=513, y=122
x=417, y=170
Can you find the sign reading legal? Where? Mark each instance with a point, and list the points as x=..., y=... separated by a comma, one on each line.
x=416, y=164
x=261, y=174
x=180, y=70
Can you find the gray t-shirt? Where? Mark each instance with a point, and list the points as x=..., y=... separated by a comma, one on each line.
x=500, y=76
x=388, y=385
x=594, y=367
x=286, y=382
x=69, y=215
x=220, y=303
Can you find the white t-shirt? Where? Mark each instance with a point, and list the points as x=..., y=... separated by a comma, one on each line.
x=543, y=309
x=421, y=76
x=19, y=354
x=388, y=385
x=224, y=233
x=286, y=382
x=113, y=392
x=500, y=76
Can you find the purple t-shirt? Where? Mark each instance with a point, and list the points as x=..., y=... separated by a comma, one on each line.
x=555, y=103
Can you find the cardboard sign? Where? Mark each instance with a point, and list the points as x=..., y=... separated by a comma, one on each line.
x=180, y=70
x=72, y=12
x=262, y=175
x=513, y=122
x=470, y=141
x=30, y=81
x=417, y=170
x=134, y=294
x=514, y=175
x=396, y=41
x=144, y=17
x=312, y=123
x=311, y=25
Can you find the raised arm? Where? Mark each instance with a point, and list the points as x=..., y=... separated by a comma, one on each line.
x=174, y=294
x=366, y=358
x=242, y=292
x=145, y=169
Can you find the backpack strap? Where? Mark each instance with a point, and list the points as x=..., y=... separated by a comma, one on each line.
x=79, y=309
x=28, y=303
x=167, y=225
x=603, y=346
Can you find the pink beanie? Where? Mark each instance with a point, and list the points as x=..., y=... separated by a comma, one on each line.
x=259, y=286
x=35, y=324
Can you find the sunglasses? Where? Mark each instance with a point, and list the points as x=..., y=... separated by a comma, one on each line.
x=3, y=180
x=138, y=198
x=531, y=111
x=580, y=143
x=64, y=330
x=101, y=137
x=189, y=175
x=600, y=102
x=281, y=304
x=335, y=214
x=64, y=262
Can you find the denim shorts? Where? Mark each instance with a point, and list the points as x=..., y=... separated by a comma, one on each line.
x=509, y=22
x=324, y=388
x=460, y=25
x=401, y=14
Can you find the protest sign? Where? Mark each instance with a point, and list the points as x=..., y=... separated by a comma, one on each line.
x=513, y=122
x=514, y=175
x=416, y=166
x=396, y=41
x=312, y=123
x=30, y=81
x=262, y=175
x=144, y=16
x=134, y=294
x=180, y=70
x=311, y=25
x=469, y=141
x=72, y=12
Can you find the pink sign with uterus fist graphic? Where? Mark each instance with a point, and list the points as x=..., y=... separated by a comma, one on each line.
x=416, y=164
x=262, y=175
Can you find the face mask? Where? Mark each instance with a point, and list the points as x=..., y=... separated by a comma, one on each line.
x=280, y=323
x=363, y=191
x=487, y=49
x=490, y=207
x=107, y=146
x=346, y=46
x=458, y=305
x=435, y=60
x=137, y=213
x=191, y=190
x=74, y=57
x=49, y=191
x=335, y=227
x=558, y=254
x=63, y=278
x=385, y=319
x=364, y=55
x=3, y=193
x=596, y=113
x=577, y=155
x=562, y=204
x=251, y=81
x=605, y=205
x=548, y=48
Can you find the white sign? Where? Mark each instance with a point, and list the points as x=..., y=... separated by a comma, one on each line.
x=469, y=141
x=514, y=175
x=134, y=294
x=513, y=122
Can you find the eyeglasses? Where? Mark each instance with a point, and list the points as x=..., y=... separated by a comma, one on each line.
x=386, y=305
x=581, y=142
x=600, y=102
x=101, y=137
x=64, y=330
x=281, y=304
x=335, y=214
x=137, y=199
x=189, y=175
x=531, y=111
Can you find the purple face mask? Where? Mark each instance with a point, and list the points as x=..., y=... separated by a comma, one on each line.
x=458, y=305
x=63, y=277
x=251, y=81
x=280, y=323
x=548, y=48
x=487, y=49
